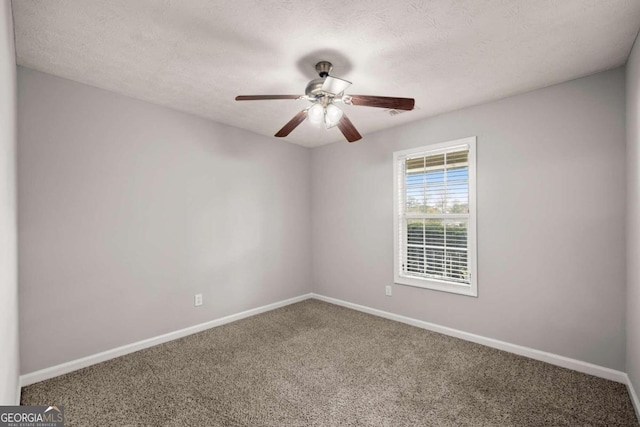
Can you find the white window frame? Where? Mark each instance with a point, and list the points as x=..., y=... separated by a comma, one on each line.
x=399, y=229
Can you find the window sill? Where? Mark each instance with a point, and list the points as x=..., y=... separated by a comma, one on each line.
x=438, y=285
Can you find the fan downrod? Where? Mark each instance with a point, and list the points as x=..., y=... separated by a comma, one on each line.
x=314, y=87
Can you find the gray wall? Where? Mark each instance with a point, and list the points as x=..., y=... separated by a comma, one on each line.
x=551, y=212
x=9, y=369
x=633, y=217
x=127, y=209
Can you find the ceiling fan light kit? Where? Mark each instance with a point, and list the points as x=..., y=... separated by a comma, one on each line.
x=322, y=93
x=329, y=115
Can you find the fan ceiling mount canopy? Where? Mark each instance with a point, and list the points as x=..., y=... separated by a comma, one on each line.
x=323, y=93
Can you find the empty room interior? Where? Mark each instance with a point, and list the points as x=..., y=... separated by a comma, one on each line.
x=277, y=213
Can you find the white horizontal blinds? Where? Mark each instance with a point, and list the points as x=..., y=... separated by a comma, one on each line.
x=436, y=215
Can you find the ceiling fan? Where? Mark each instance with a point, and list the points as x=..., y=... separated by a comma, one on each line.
x=323, y=93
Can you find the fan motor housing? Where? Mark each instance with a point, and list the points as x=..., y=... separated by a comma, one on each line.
x=314, y=88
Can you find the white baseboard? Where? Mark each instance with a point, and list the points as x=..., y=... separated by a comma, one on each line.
x=554, y=359
x=74, y=365
x=634, y=397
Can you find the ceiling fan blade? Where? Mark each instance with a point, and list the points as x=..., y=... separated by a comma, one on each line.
x=265, y=97
x=383, y=102
x=348, y=129
x=292, y=124
x=335, y=85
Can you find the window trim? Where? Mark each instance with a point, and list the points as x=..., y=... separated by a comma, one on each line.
x=398, y=206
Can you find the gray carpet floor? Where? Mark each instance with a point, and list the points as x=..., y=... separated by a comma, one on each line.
x=317, y=364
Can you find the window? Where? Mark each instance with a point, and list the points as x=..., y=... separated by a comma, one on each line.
x=435, y=217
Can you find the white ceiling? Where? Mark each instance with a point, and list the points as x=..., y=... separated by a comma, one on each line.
x=197, y=55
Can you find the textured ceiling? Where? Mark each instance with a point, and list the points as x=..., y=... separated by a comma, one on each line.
x=197, y=55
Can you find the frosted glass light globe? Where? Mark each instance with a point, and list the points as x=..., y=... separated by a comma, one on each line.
x=316, y=114
x=332, y=116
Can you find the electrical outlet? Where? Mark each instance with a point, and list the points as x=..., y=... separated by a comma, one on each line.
x=387, y=290
x=197, y=299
